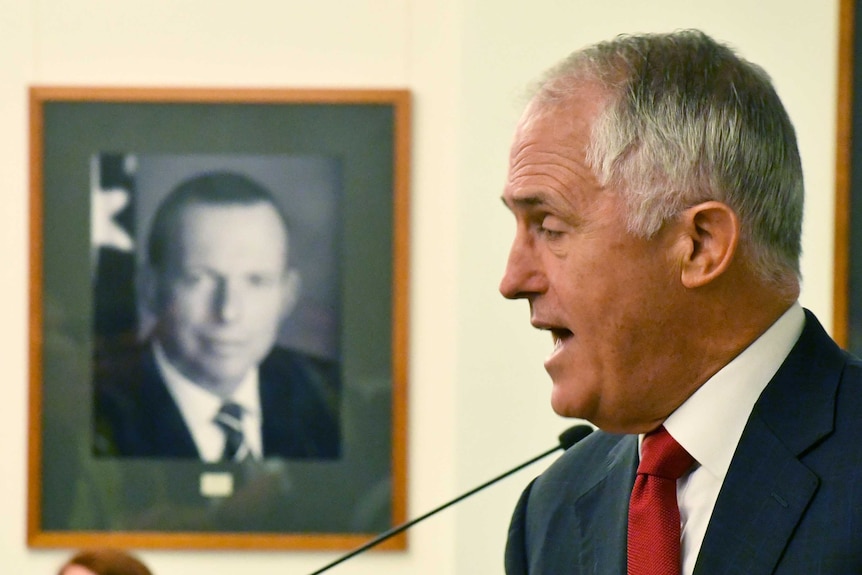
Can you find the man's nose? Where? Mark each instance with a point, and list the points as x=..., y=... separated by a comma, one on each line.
x=228, y=303
x=523, y=276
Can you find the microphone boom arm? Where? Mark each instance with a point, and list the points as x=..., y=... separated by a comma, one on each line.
x=567, y=439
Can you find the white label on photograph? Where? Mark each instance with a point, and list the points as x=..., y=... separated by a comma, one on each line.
x=216, y=484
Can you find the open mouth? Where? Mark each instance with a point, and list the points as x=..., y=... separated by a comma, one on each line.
x=560, y=336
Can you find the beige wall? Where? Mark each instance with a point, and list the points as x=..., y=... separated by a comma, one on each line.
x=479, y=395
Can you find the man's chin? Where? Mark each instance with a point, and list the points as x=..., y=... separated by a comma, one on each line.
x=565, y=406
x=569, y=400
x=220, y=381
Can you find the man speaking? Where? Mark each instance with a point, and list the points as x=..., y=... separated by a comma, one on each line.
x=657, y=191
x=209, y=382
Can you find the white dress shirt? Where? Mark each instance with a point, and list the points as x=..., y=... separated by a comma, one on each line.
x=709, y=424
x=199, y=408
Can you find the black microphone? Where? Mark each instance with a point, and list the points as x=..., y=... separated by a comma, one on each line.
x=566, y=439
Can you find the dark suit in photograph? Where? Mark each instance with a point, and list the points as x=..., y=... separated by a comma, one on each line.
x=136, y=416
x=791, y=502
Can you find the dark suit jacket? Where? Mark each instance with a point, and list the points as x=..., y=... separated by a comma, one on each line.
x=791, y=502
x=136, y=416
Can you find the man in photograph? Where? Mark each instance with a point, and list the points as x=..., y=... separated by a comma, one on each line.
x=210, y=382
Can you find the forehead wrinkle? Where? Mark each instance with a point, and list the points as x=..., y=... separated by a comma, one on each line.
x=536, y=185
x=560, y=180
x=535, y=152
x=547, y=167
x=549, y=160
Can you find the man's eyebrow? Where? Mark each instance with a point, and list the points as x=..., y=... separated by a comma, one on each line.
x=524, y=201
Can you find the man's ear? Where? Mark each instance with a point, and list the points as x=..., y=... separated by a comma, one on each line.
x=711, y=235
x=291, y=283
x=148, y=289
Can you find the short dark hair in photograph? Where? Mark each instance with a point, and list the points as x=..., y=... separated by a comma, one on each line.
x=212, y=189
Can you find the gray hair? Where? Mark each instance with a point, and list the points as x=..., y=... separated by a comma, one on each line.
x=686, y=121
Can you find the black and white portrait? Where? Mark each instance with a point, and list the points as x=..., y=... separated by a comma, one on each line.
x=216, y=306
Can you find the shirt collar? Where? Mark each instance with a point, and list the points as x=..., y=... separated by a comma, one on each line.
x=709, y=424
x=197, y=404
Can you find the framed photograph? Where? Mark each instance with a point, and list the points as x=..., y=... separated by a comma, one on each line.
x=847, y=318
x=218, y=317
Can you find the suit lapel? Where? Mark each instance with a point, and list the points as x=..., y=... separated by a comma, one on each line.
x=166, y=433
x=764, y=496
x=767, y=488
x=603, y=513
x=279, y=426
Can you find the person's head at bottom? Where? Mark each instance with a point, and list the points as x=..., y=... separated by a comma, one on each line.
x=103, y=562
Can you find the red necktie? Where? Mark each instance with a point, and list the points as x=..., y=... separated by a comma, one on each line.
x=653, y=534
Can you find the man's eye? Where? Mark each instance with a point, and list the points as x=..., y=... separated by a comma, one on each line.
x=551, y=227
x=261, y=280
x=192, y=278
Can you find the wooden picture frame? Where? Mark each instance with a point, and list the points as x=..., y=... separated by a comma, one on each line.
x=848, y=186
x=350, y=146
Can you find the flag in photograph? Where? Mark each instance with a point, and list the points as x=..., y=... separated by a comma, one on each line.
x=112, y=201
